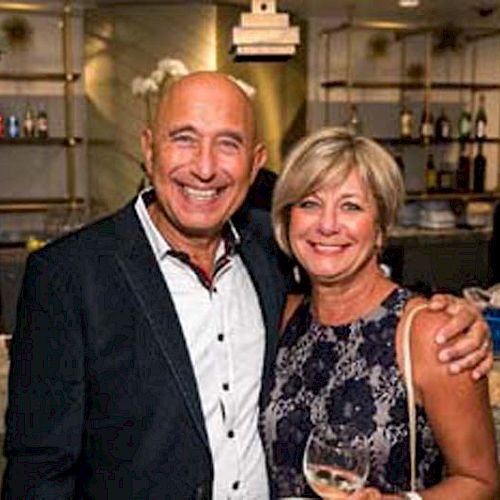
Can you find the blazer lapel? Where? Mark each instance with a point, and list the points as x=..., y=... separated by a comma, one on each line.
x=271, y=298
x=136, y=259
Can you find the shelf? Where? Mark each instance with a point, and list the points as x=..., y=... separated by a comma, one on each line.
x=398, y=141
x=38, y=205
x=368, y=84
x=420, y=196
x=40, y=77
x=37, y=141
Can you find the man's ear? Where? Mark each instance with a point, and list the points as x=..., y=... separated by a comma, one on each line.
x=259, y=159
x=147, y=150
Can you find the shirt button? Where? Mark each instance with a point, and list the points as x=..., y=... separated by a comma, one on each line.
x=225, y=387
x=230, y=434
x=236, y=485
x=220, y=337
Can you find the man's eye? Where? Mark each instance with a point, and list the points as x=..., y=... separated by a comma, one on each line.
x=183, y=139
x=228, y=145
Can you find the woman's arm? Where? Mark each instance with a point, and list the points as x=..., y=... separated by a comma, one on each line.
x=459, y=414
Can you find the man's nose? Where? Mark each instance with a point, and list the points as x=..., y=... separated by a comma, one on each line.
x=206, y=162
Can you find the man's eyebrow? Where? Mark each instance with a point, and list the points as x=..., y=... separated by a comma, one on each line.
x=237, y=136
x=181, y=129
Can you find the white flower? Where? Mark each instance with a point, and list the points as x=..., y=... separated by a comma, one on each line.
x=246, y=87
x=138, y=86
x=173, y=67
x=149, y=85
x=157, y=76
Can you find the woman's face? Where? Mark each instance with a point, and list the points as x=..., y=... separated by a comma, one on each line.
x=334, y=232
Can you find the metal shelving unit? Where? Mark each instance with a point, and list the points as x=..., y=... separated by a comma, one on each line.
x=347, y=82
x=67, y=77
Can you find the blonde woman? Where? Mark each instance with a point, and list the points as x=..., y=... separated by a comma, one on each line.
x=340, y=354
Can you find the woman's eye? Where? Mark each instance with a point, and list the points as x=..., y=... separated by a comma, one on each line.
x=351, y=206
x=307, y=204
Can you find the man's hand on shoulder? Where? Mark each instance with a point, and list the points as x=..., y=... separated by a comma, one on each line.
x=471, y=346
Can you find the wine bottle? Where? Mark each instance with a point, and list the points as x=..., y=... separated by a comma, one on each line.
x=445, y=178
x=426, y=126
x=463, y=170
x=443, y=127
x=42, y=124
x=481, y=120
x=400, y=163
x=431, y=179
x=28, y=121
x=13, y=126
x=479, y=171
x=405, y=123
x=464, y=125
x=354, y=124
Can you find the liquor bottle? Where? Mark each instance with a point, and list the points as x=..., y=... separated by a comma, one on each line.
x=431, y=179
x=445, y=178
x=405, y=123
x=464, y=125
x=481, y=120
x=463, y=170
x=29, y=121
x=42, y=124
x=353, y=123
x=443, y=127
x=13, y=126
x=426, y=126
x=398, y=157
x=479, y=170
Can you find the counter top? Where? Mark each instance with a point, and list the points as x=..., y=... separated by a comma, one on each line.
x=403, y=233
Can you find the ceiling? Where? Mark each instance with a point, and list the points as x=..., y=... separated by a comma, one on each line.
x=456, y=11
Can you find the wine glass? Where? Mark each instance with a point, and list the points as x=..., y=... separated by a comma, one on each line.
x=336, y=460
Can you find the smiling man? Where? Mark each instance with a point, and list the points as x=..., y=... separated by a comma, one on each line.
x=144, y=342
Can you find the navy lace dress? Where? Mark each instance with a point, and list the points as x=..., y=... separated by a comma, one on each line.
x=348, y=374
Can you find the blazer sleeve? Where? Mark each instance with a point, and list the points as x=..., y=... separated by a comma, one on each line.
x=44, y=419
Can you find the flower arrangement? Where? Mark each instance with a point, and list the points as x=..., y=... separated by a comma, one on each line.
x=152, y=85
x=165, y=70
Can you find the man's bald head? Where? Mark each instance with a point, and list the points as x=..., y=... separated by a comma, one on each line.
x=207, y=81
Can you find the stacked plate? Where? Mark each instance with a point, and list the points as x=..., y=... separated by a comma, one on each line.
x=436, y=215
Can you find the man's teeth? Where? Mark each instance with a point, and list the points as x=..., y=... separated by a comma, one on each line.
x=200, y=194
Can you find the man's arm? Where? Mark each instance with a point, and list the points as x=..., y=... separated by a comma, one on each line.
x=46, y=388
x=465, y=338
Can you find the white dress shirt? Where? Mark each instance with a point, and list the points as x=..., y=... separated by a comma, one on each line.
x=225, y=337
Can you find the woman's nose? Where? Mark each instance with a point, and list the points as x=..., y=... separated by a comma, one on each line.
x=328, y=222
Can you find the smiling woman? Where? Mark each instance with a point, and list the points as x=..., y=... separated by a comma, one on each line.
x=340, y=357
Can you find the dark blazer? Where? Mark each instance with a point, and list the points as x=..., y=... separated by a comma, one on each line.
x=103, y=400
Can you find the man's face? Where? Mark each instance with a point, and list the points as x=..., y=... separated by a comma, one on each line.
x=201, y=157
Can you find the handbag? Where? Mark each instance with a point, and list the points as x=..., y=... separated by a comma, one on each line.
x=408, y=378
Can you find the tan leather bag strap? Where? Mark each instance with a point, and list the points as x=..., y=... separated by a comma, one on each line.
x=408, y=377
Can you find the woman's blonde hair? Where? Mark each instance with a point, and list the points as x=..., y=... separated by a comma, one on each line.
x=329, y=155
